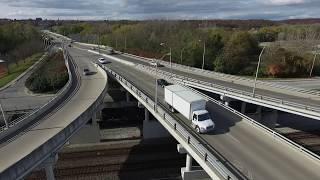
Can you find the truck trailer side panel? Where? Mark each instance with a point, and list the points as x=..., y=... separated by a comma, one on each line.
x=181, y=105
x=184, y=100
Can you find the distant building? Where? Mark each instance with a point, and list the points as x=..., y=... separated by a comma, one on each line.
x=38, y=19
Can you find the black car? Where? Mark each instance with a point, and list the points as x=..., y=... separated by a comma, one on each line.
x=86, y=71
x=162, y=83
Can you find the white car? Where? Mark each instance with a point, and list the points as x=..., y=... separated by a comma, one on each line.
x=154, y=63
x=103, y=61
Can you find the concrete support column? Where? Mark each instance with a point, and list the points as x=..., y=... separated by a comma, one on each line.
x=189, y=162
x=127, y=96
x=94, y=119
x=274, y=121
x=243, y=107
x=49, y=172
x=146, y=114
x=259, y=112
x=191, y=172
x=49, y=166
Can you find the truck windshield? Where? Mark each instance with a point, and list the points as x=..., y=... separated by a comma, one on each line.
x=203, y=117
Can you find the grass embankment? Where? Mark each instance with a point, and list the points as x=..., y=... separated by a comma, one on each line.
x=50, y=77
x=16, y=69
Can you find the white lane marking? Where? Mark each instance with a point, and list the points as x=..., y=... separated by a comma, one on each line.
x=232, y=137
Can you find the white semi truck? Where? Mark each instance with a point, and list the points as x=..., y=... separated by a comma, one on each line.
x=190, y=105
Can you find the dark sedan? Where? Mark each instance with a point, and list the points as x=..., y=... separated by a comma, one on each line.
x=162, y=83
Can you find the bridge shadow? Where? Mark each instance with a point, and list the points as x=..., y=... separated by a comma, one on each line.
x=223, y=118
x=153, y=159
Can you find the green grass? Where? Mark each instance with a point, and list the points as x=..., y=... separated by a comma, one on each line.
x=16, y=70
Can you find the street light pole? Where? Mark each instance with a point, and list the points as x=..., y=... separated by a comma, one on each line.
x=99, y=43
x=257, y=71
x=156, y=96
x=170, y=53
x=314, y=60
x=181, y=55
x=125, y=43
x=170, y=63
x=204, y=53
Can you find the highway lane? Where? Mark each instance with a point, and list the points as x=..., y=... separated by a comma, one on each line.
x=91, y=87
x=255, y=153
x=17, y=97
x=306, y=100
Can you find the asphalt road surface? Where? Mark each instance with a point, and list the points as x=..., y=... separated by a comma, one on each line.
x=254, y=153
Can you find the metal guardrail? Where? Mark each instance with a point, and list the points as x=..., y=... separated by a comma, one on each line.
x=228, y=77
x=249, y=120
x=200, y=147
x=47, y=105
x=234, y=92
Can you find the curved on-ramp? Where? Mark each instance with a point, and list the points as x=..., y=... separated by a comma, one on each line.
x=36, y=144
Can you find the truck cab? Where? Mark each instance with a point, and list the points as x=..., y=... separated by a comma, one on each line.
x=202, y=121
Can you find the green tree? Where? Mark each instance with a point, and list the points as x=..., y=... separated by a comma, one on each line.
x=240, y=50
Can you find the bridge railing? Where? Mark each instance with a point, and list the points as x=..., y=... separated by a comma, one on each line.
x=270, y=132
x=208, y=154
x=228, y=77
x=19, y=122
x=314, y=111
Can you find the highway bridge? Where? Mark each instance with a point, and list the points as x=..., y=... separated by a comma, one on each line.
x=31, y=142
x=284, y=98
x=239, y=148
x=257, y=153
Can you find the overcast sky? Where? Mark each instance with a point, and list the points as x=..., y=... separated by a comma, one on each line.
x=160, y=9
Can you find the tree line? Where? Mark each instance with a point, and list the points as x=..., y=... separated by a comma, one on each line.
x=290, y=52
x=19, y=41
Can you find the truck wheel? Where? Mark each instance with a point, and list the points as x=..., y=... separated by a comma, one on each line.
x=198, y=129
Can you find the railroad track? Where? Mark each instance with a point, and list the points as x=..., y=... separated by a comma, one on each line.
x=148, y=161
x=310, y=140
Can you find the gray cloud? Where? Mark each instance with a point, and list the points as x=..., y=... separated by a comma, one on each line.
x=147, y=9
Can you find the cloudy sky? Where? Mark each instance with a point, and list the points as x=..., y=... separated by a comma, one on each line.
x=164, y=9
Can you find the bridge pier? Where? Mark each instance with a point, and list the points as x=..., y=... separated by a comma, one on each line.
x=127, y=96
x=243, y=107
x=259, y=113
x=189, y=162
x=153, y=128
x=49, y=166
x=274, y=119
x=191, y=172
x=146, y=114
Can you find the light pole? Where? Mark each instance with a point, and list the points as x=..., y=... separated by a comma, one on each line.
x=99, y=43
x=125, y=43
x=314, y=60
x=4, y=117
x=257, y=71
x=156, y=96
x=181, y=55
x=204, y=52
x=163, y=45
